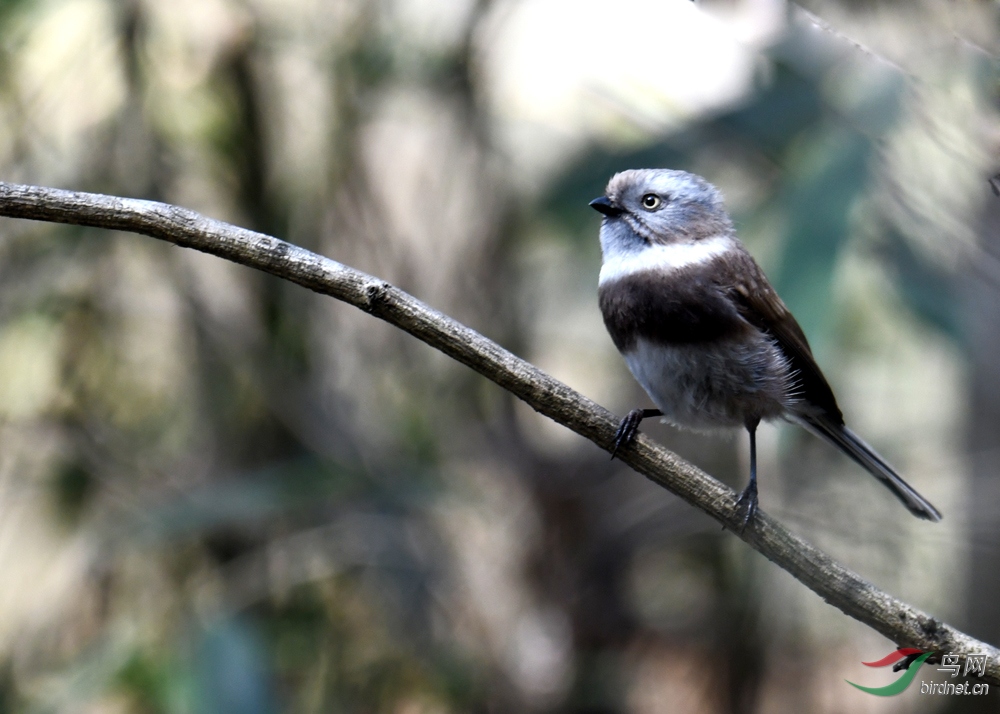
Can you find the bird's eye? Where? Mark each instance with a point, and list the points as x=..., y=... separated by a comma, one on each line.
x=651, y=201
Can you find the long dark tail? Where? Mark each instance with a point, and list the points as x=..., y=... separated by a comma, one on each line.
x=852, y=445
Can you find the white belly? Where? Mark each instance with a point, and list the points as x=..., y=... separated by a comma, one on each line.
x=721, y=384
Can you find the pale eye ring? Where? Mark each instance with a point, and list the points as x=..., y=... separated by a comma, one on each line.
x=651, y=202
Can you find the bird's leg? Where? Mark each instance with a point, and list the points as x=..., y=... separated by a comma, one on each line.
x=629, y=426
x=748, y=499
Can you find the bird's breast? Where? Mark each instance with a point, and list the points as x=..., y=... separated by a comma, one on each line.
x=686, y=343
x=679, y=307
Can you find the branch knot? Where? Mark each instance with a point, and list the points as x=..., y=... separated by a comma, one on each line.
x=377, y=293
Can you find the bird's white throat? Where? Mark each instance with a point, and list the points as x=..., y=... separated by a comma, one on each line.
x=664, y=258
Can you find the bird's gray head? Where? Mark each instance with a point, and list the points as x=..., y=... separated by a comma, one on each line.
x=649, y=207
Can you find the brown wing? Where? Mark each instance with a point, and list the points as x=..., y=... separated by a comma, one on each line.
x=759, y=304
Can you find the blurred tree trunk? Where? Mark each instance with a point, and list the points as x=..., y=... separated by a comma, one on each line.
x=982, y=617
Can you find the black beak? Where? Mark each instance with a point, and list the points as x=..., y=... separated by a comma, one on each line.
x=604, y=205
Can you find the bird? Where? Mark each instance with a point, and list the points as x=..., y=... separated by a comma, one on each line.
x=703, y=331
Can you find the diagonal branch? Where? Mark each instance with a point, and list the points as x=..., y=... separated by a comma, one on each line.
x=856, y=597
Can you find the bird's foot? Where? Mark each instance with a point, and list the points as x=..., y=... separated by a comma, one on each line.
x=627, y=429
x=747, y=504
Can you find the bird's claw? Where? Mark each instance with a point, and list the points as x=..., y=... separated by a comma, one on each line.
x=627, y=429
x=747, y=503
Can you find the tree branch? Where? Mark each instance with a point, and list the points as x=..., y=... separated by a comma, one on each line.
x=856, y=597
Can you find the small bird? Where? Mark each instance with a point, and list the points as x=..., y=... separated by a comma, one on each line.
x=703, y=331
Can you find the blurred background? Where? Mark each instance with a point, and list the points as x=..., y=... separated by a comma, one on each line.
x=222, y=493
